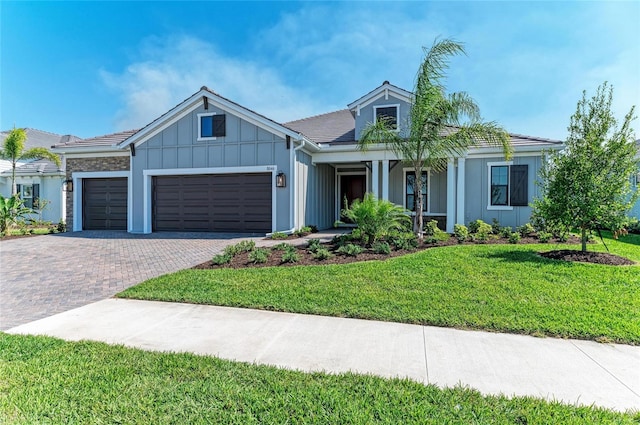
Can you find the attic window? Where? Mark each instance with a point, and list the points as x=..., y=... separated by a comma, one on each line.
x=211, y=126
x=390, y=113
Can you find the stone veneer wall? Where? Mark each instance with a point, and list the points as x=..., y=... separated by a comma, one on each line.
x=113, y=163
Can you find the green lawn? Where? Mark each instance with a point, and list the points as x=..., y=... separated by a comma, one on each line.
x=507, y=288
x=46, y=380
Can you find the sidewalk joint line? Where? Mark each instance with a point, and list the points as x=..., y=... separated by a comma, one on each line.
x=424, y=343
x=605, y=369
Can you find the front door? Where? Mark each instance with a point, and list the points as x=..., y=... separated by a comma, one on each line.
x=352, y=187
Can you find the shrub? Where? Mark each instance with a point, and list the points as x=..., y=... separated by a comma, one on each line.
x=563, y=237
x=242, y=246
x=495, y=226
x=514, y=237
x=314, y=228
x=481, y=230
x=431, y=228
x=376, y=218
x=475, y=225
x=461, y=232
x=259, y=255
x=313, y=245
x=526, y=230
x=282, y=246
x=246, y=246
x=404, y=241
x=634, y=226
x=221, y=259
x=340, y=240
x=279, y=235
x=305, y=230
x=290, y=255
x=322, y=254
x=505, y=232
x=544, y=237
x=61, y=227
x=350, y=249
x=381, y=248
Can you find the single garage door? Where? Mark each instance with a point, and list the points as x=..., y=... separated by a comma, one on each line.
x=104, y=204
x=212, y=203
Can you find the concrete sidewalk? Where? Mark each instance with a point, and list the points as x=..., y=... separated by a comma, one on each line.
x=575, y=372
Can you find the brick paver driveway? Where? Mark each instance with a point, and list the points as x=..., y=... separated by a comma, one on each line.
x=45, y=275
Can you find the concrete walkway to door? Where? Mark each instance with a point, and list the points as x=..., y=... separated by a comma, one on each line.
x=49, y=274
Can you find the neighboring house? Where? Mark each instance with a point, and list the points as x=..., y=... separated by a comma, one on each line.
x=210, y=164
x=40, y=183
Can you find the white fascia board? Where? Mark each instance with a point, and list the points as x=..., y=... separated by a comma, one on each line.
x=518, y=151
x=193, y=103
x=353, y=156
x=84, y=153
x=112, y=150
x=380, y=92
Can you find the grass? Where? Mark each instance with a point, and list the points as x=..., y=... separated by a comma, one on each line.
x=506, y=288
x=46, y=380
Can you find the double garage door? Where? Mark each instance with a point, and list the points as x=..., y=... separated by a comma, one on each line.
x=212, y=203
x=189, y=203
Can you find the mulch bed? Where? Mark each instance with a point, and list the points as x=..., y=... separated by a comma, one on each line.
x=241, y=261
x=587, y=257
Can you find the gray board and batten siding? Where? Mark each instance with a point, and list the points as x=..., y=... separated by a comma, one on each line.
x=315, y=192
x=366, y=115
x=477, y=191
x=176, y=150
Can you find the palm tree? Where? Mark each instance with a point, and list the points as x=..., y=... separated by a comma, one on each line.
x=441, y=126
x=13, y=150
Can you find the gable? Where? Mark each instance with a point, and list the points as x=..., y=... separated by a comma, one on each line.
x=207, y=102
x=382, y=104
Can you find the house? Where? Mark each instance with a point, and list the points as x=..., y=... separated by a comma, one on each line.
x=210, y=164
x=39, y=183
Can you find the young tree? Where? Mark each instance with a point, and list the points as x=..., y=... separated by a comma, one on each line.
x=13, y=150
x=588, y=185
x=440, y=126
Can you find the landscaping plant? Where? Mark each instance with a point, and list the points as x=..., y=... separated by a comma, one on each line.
x=588, y=185
x=12, y=209
x=376, y=218
x=426, y=140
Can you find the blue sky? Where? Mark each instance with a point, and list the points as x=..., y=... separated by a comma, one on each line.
x=91, y=68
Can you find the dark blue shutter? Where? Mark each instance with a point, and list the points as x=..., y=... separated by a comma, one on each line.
x=519, y=192
x=219, y=126
x=36, y=196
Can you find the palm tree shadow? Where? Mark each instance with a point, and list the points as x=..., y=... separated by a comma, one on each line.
x=517, y=256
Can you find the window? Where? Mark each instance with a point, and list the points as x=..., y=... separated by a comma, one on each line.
x=409, y=192
x=211, y=126
x=388, y=113
x=508, y=185
x=29, y=193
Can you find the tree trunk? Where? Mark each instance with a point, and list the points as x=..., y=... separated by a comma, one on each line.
x=417, y=193
x=14, y=189
x=584, y=240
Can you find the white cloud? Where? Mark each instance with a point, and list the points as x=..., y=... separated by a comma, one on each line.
x=172, y=69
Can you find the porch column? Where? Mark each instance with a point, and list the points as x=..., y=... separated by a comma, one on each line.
x=461, y=192
x=385, y=179
x=375, y=178
x=451, y=195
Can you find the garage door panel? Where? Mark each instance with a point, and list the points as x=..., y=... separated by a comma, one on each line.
x=216, y=202
x=104, y=204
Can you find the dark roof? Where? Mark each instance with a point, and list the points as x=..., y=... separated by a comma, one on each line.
x=332, y=127
x=104, y=140
x=339, y=127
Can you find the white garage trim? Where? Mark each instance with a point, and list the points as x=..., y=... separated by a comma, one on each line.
x=77, y=193
x=147, y=189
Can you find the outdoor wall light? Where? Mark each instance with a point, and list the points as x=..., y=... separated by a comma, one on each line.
x=69, y=185
x=281, y=179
